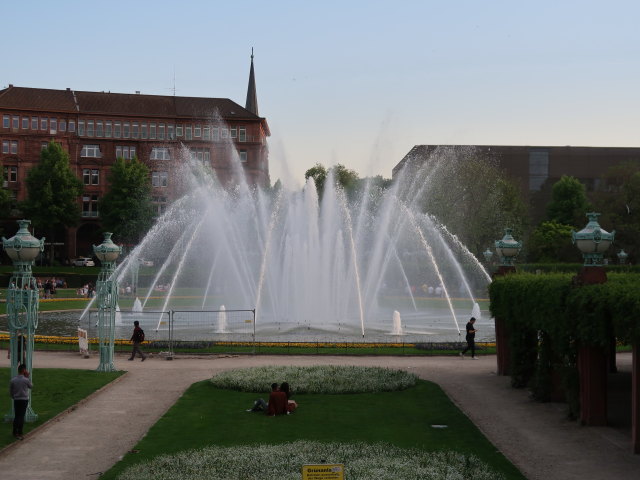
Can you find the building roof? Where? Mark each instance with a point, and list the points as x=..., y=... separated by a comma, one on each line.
x=252, y=95
x=107, y=103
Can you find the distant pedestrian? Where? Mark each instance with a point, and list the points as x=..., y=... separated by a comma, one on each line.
x=19, y=390
x=137, y=338
x=471, y=339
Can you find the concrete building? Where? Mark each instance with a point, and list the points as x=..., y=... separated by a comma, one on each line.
x=95, y=128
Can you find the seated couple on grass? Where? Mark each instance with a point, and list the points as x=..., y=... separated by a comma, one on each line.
x=279, y=402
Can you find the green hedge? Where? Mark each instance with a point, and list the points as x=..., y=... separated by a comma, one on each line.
x=548, y=317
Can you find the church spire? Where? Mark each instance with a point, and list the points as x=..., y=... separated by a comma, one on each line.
x=252, y=97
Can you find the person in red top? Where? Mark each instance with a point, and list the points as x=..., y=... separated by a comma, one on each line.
x=278, y=402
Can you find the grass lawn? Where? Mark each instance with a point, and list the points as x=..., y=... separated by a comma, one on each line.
x=54, y=390
x=205, y=415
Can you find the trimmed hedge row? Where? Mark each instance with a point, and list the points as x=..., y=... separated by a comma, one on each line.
x=548, y=317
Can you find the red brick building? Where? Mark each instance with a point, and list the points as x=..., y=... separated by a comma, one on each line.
x=97, y=127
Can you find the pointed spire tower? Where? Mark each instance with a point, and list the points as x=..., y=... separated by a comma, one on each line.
x=252, y=97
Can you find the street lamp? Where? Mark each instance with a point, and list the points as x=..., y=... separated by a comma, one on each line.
x=622, y=257
x=22, y=303
x=507, y=248
x=592, y=241
x=107, y=298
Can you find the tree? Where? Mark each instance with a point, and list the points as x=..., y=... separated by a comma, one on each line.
x=343, y=176
x=52, y=194
x=618, y=201
x=126, y=209
x=551, y=242
x=568, y=203
x=472, y=197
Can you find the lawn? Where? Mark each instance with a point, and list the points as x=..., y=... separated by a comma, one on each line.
x=206, y=415
x=54, y=390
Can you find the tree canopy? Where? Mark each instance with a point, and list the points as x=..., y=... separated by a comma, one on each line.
x=52, y=193
x=568, y=203
x=344, y=177
x=126, y=209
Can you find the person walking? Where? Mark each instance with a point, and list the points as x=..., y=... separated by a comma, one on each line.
x=19, y=390
x=137, y=338
x=471, y=339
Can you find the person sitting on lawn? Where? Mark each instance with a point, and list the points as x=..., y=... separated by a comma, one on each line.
x=291, y=404
x=277, y=404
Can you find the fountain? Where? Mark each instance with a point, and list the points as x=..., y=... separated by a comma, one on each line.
x=397, y=324
x=310, y=264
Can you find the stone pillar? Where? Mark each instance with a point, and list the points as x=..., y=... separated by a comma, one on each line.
x=592, y=367
x=635, y=399
x=503, y=353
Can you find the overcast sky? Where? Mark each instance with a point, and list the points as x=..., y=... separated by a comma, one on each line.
x=354, y=82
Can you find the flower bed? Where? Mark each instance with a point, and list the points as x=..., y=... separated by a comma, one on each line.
x=329, y=379
x=284, y=462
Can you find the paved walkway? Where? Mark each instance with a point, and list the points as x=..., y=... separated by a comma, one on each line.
x=95, y=435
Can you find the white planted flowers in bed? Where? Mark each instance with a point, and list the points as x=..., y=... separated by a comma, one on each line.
x=362, y=461
x=327, y=379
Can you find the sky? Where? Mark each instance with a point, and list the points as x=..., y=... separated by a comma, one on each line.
x=354, y=82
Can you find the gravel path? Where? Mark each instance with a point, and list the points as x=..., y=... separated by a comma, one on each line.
x=92, y=437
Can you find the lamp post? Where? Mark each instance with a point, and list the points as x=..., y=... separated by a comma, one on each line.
x=107, y=293
x=593, y=360
x=507, y=249
x=22, y=303
x=622, y=257
x=592, y=241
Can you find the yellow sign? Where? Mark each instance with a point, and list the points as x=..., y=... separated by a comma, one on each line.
x=323, y=472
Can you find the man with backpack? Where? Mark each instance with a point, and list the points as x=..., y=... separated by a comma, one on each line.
x=137, y=338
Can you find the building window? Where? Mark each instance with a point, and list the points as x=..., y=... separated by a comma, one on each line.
x=43, y=145
x=242, y=134
x=43, y=123
x=90, y=130
x=25, y=123
x=90, y=205
x=99, y=129
x=108, y=128
x=179, y=131
x=206, y=133
x=197, y=131
x=161, y=131
x=63, y=125
x=159, y=179
x=234, y=133
x=10, y=174
x=117, y=130
x=92, y=151
x=216, y=134
x=126, y=152
x=538, y=168
x=152, y=131
x=224, y=133
x=126, y=130
x=160, y=204
x=34, y=123
x=143, y=131
x=16, y=123
x=187, y=133
x=72, y=125
x=135, y=133
x=10, y=147
x=81, y=128
x=91, y=176
x=171, y=132
x=243, y=156
x=53, y=126
x=160, y=153
x=6, y=121
x=202, y=155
